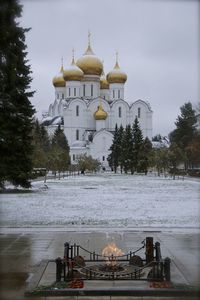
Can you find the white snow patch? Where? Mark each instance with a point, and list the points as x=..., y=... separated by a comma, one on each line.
x=106, y=200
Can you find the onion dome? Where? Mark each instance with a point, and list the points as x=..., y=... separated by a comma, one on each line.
x=100, y=114
x=116, y=75
x=89, y=63
x=103, y=82
x=73, y=73
x=58, y=81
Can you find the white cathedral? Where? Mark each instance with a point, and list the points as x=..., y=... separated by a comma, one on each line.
x=89, y=104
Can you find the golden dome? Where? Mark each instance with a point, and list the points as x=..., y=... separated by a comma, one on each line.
x=58, y=81
x=116, y=75
x=100, y=114
x=103, y=82
x=89, y=63
x=73, y=73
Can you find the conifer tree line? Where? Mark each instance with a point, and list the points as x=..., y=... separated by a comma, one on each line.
x=130, y=151
x=183, y=154
x=51, y=153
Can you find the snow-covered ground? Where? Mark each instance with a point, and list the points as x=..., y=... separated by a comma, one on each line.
x=105, y=200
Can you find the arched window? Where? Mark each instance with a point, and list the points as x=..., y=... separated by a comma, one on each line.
x=77, y=134
x=62, y=96
x=84, y=90
x=139, y=112
x=118, y=94
x=120, y=112
x=113, y=94
x=91, y=90
x=77, y=110
x=75, y=92
x=69, y=92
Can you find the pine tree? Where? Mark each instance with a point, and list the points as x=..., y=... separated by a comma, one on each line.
x=120, y=146
x=59, y=159
x=161, y=160
x=41, y=146
x=137, y=146
x=16, y=111
x=186, y=130
x=113, y=157
x=185, y=126
x=176, y=155
x=60, y=139
x=127, y=151
x=145, y=156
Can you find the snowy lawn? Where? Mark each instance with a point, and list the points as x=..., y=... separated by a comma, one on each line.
x=105, y=200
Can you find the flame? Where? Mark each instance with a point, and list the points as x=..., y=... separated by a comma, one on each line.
x=111, y=251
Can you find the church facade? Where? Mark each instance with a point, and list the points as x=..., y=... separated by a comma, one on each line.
x=88, y=105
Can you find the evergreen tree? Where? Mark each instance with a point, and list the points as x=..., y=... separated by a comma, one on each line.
x=16, y=111
x=41, y=146
x=145, y=156
x=176, y=156
x=44, y=138
x=113, y=157
x=185, y=126
x=127, y=150
x=60, y=139
x=193, y=152
x=157, y=138
x=185, y=130
x=137, y=146
x=161, y=160
x=59, y=159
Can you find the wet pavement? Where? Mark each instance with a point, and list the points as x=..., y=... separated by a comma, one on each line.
x=21, y=252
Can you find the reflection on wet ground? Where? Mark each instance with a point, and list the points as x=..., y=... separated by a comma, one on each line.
x=20, y=254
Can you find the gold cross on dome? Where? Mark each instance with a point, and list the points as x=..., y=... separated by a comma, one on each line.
x=117, y=56
x=89, y=35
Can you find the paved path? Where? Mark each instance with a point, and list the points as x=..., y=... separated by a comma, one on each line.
x=21, y=251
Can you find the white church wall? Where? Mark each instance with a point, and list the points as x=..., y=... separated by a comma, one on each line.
x=60, y=108
x=105, y=94
x=141, y=110
x=75, y=121
x=99, y=147
x=149, y=127
x=73, y=89
x=90, y=90
x=60, y=93
x=116, y=91
x=75, y=152
x=120, y=114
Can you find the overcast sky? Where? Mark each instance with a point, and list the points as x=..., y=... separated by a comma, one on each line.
x=157, y=42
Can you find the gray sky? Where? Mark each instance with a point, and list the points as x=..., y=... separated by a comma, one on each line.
x=157, y=42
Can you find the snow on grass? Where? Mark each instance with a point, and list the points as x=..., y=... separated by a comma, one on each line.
x=105, y=200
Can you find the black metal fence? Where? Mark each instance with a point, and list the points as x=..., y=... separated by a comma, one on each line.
x=83, y=264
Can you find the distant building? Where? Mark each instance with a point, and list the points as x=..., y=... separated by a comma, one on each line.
x=89, y=104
